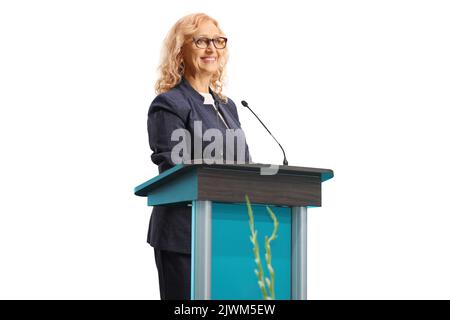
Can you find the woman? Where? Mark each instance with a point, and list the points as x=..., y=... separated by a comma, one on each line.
x=189, y=92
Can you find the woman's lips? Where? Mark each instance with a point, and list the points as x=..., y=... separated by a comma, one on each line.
x=208, y=59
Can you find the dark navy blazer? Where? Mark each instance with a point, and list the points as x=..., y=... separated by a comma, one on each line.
x=170, y=227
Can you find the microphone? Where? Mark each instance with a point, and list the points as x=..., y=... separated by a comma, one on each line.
x=245, y=104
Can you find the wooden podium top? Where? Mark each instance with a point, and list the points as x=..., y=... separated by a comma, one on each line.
x=291, y=185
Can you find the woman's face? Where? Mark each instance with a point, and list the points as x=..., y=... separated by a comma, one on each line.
x=202, y=60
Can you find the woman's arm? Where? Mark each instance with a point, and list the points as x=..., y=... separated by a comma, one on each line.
x=163, y=118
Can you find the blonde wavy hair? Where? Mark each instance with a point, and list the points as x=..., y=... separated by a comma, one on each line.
x=171, y=67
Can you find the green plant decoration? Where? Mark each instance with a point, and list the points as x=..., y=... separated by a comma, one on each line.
x=268, y=255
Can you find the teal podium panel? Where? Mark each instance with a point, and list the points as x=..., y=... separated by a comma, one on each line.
x=233, y=261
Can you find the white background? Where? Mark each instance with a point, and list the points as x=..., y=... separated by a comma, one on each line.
x=360, y=87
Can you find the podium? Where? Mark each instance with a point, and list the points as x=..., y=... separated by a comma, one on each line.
x=222, y=260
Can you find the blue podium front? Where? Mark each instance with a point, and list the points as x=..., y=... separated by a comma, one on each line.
x=233, y=261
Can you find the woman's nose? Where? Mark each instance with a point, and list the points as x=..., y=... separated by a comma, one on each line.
x=210, y=47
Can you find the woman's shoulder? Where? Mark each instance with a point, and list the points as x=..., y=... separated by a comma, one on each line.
x=229, y=102
x=174, y=94
x=232, y=107
x=173, y=101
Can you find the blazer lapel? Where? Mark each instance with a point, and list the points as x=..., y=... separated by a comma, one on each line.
x=225, y=112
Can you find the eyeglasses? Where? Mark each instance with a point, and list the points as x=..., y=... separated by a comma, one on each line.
x=203, y=42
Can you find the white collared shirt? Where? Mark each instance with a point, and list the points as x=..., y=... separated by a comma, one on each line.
x=210, y=100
